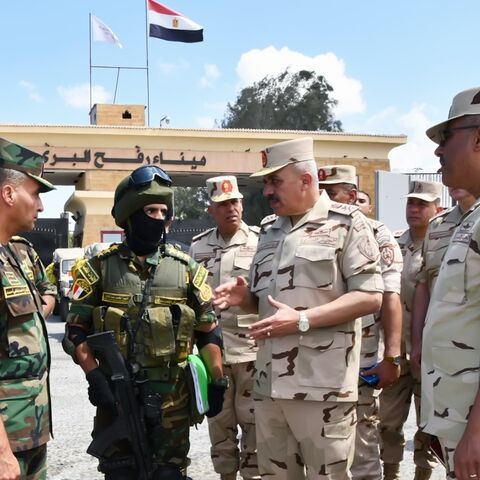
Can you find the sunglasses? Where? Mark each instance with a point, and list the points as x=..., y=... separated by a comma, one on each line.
x=446, y=133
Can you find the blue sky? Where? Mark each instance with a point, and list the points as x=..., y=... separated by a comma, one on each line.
x=394, y=66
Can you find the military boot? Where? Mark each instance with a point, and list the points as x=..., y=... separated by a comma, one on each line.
x=391, y=471
x=229, y=476
x=422, y=473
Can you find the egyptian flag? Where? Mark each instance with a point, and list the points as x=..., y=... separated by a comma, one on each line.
x=173, y=26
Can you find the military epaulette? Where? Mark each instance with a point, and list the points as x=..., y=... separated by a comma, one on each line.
x=18, y=239
x=203, y=234
x=254, y=228
x=268, y=219
x=109, y=251
x=398, y=233
x=442, y=214
x=171, y=251
x=343, y=208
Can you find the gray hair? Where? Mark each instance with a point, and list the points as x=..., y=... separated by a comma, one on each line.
x=11, y=177
x=308, y=166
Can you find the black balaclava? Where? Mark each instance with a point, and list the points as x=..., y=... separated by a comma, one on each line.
x=143, y=233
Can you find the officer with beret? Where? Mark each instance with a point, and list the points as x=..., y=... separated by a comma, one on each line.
x=423, y=203
x=314, y=274
x=227, y=252
x=26, y=299
x=154, y=298
x=340, y=182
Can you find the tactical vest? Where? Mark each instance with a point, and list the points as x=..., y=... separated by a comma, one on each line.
x=163, y=331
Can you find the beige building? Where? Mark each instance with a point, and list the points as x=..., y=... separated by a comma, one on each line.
x=95, y=158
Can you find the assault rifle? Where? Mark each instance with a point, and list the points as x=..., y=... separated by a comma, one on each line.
x=129, y=423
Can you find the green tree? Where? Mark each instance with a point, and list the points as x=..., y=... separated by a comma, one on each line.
x=292, y=101
x=190, y=202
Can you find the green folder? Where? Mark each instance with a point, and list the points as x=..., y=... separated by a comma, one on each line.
x=200, y=382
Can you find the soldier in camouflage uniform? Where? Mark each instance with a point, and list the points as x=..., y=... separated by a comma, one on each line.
x=227, y=252
x=423, y=203
x=340, y=183
x=451, y=336
x=314, y=274
x=435, y=243
x=27, y=298
x=166, y=297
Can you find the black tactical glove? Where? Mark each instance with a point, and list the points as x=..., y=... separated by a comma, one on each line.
x=99, y=392
x=216, y=392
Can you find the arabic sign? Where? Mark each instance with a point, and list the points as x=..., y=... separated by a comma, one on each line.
x=115, y=159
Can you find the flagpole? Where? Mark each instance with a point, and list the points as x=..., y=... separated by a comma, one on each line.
x=90, y=55
x=146, y=52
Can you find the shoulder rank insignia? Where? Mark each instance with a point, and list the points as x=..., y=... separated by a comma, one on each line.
x=109, y=251
x=268, y=219
x=203, y=234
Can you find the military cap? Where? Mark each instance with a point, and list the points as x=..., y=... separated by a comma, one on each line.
x=464, y=103
x=282, y=154
x=332, y=174
x=21, y=159
x=223, y=188
x=427, y=191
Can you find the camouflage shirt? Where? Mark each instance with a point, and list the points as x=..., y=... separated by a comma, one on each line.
x=391, y=264
x=24, y=351
x=330, y=251
x=412, y=263
x=451, y=337
x=224, y=261
x=435, y=243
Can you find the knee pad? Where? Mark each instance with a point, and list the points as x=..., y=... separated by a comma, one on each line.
x=214, y=336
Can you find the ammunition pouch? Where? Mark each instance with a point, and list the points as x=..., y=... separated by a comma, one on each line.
x=115, y=319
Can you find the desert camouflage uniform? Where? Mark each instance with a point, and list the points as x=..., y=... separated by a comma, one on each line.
x=115, y=279
x=24, y=356
x=395, y=401
x=451, y=339
x=435, y=244
x=224, y=261
x=366, y=463
x=306, y=384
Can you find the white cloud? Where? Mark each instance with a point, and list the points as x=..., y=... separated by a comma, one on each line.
x=32, y=91
x=78, y=96
x=205, y=122
x=211, y=73
x=256, y=64
x=418, y=151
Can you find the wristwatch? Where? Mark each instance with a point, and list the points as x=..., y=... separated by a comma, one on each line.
x=303, y=322
x=396, y=360
x=220, y=382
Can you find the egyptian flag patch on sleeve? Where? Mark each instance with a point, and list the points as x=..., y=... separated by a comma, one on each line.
x=81, y=289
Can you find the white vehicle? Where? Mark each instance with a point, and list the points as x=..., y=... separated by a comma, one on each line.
x=63, y=259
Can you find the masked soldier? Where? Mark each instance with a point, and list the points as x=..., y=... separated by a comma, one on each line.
x=26, y=299
x=227, y=252
x=154, y=298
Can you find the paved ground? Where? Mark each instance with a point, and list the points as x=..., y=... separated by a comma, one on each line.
x=72, y=418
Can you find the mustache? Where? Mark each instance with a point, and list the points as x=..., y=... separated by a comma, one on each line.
x=272, y=198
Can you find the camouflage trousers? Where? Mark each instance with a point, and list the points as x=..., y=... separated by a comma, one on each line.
x=395, y=404
x=33, y=463
x=448, y=450
x=238, y=411
x=366, y=463
x=301, y=439
x=170, y=443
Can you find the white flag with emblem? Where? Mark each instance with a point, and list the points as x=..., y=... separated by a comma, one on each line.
x=103, y=33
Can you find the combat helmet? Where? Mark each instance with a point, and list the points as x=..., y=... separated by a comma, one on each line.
x=145, y=185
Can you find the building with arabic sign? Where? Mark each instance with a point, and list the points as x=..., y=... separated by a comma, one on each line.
x=95, y=158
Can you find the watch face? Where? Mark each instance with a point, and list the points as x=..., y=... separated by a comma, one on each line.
x=303, y=323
